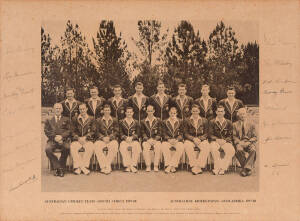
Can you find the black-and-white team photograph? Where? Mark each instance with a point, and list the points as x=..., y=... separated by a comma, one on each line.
x=150, y=106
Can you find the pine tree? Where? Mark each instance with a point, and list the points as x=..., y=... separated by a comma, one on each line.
x=112, y=57
x=185, y=58
x=76, y=61
x=224, y=60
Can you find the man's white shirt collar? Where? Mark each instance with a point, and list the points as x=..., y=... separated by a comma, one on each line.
x=81, y=117
x=223, y=120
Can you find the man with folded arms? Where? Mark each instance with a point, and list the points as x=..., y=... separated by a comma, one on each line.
x=70, y=105
x=172, y=136
x=83, y=131
x=244, y=138
x=182, y=102
x=220, y=132
x=151, y=133
x=138, y=102
x=161, y=102
x=117, y=103
x=106, y=135
x=57, y=129
x=196, y=134
x=207, y=104
x=95, y=103
x=231, y=105
x=129, y=135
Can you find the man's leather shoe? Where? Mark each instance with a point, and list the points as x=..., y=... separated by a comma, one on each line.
x=56, y=172
x=61, y=172
x=243, y=173
x=248, y=172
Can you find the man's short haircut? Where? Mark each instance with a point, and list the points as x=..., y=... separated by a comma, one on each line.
x=173, y=108
x=117, y=86
x=220, y=106
x=205, y=85
x=57, y=104
x=150, y=105
x=82, y=104
x=195, y=106
x=93, y=87
x=70, y=89
x=128, y=108
x=139, y=84
x=182, y=85
x=106, y=106
x=241, y=110
x=230, y=88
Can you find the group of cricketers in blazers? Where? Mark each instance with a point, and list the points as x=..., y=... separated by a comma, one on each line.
x=169, y=126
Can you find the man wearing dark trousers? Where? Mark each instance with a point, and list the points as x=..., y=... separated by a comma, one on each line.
x=244, y=138
x=57, y=129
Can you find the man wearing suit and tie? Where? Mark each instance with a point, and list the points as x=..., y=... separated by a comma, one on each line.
x=129, y=135
x=95, y=103
x=117, y=103
x=231, y=105
x=207, y=104
x=83, y=130
x=70, y=105
x=138, y=102
x=151, y=134
x=196, y=134
x=172, y=137
x=161, y=102
x=107, y=130
x=244, y=138
x=57, y=129
x=220, y=134
x=182, y=102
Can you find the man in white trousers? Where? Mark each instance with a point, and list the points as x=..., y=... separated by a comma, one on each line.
x=220, y=132
x=106, y=137
x=173, y=137
x=129, y=135
x=151, y=134
x=196, y=135
x=82, y=130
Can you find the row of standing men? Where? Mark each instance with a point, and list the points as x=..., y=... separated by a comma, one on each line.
x=159, y=122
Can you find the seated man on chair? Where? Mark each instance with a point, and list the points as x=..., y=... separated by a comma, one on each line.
x=172, y=136
x=57, y=129
x=220, y=133
x=244, y=138
x=129, y=134
x=106, y=137
x=151, y=133
x=82, y=139
x=196, y=134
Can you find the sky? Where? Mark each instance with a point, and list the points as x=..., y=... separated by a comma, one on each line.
x=246, y=31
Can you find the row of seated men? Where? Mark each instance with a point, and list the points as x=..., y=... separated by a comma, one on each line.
x=216, y=135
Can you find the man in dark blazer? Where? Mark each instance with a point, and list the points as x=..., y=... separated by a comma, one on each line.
x=161, y=102
x=117, y=103
x=151, y=134
x=196, y=135
x=182, y=102
x=82, y=131
x=57, y=129
x=220, y=135
x=138, y=102
x=172, y=137
x=70, y=105
x=231, y=105
x=244, y=138
x=107, y=129
x=95, y=103
x=207, y=104
x=129, y=135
